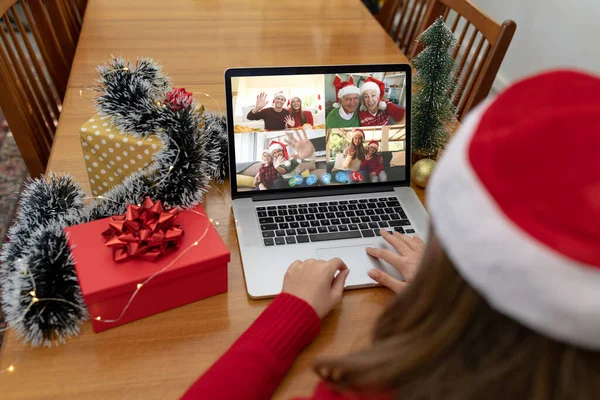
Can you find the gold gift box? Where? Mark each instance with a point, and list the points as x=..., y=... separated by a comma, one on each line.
x=111, y=156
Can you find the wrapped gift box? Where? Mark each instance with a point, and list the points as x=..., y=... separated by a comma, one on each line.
x=111, y=156
x=107, y=285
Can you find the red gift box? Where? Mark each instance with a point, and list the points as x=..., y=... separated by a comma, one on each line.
x=107, y=286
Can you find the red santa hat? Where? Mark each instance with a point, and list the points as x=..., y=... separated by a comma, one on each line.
x=275, y=145
x=279, y=94
x=520, y=222
x=343, y=88
x=374, y=144
x=358, y=132
x=377, y=86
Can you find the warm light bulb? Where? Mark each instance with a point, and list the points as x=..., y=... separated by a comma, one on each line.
x=196, y=243
x=35, y=299
x=32, y=293
x=98, y=318
x=81, y=92
x=125, y=69
x=171, y=168
x=217, y=223
x=139, y=286
x=11, y=368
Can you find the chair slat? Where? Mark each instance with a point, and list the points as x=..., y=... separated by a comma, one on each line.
x=40, y=105
x=459, y=43
x=36, y=52
x=404, y=18
x=480, y=61
x=469, y=70
x=44, y=37
x=419, y=5
x=39, y=71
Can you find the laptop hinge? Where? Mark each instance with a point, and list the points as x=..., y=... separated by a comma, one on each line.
x=356, y=189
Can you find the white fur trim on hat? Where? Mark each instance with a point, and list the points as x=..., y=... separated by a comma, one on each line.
x=382, y=105
x=346, y=90
x=275, y=146
x=279, y=93
x=518, y=275
x=370, y=86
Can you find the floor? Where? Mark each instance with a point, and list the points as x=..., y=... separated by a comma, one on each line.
x=12, y=174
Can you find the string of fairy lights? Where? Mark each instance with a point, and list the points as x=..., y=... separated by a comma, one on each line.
x=34, y=299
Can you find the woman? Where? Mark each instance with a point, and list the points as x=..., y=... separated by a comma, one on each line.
x=375, y=110
x=504, y=303
x=297, y=117
x=354, y=156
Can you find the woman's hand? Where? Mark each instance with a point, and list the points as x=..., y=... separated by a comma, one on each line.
x=289, y=121
x=313, y=281
x=406, y=260
x=351, y=151
x=261, y=102
x=368, y=156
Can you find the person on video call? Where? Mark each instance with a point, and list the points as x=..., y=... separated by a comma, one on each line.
x=275, y=116
x=376, y=110
x=354, y=155
x=289, y=165
x=345, y=112
x=298, y=118
x=502, y=303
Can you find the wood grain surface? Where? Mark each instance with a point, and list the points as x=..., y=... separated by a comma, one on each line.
x=160, y=356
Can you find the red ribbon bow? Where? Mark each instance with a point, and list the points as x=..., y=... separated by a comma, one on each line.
x=145, y=231
x=178, y=99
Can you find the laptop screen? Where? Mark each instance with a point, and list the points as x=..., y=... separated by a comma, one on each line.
x=307, y=130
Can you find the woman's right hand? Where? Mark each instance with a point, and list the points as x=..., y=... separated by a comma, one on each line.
x=351, y=151
x=316, y=282
x=406, y=259
x=261, y=102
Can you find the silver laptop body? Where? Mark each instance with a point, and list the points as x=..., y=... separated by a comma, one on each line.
x=266, y=250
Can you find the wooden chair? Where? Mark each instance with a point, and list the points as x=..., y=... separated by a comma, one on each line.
x=481, y=47
x=402, y=20
x=37, y=45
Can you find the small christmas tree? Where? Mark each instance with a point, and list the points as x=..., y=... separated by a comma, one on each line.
x=432, y=108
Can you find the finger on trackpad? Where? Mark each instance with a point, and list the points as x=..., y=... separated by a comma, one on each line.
x=356, y=259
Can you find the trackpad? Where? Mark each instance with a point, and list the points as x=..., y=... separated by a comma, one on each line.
x=357, y=260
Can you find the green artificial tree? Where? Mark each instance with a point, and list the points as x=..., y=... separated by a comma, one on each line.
x=432, y=108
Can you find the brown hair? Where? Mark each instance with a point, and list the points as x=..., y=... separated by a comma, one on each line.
x=293, y=112
x=440, y=339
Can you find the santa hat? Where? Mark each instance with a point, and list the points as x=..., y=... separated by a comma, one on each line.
x=277, y=94
x=275, y=145
x=267, y=151
x=343, y=88
x=374, y=144
x=520, y=222
x=376, y=85
x=358, y=132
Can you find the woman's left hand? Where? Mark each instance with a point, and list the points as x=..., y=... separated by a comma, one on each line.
x=301, y=143
x=314, y=281
x=290, y=122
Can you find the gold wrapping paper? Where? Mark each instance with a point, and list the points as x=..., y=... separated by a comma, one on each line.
x=111, y=156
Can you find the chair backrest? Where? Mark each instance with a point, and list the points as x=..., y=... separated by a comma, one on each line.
x=481, y=46
x=402, y=20
x=37, y=45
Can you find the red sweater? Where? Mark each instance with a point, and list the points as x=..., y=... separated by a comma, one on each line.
x=382, y=117
x=257, y=362
x=298, y=120
x=374, y=165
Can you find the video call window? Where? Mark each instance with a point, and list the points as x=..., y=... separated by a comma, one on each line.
x=295, y=131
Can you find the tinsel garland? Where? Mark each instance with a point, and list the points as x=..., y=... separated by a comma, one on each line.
x=37, y=252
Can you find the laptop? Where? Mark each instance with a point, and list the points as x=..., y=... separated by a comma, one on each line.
x=319, y=163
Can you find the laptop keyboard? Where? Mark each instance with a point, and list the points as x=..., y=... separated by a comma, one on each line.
x=289, y=224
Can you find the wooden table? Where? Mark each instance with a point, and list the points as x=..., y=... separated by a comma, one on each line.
x=160, y=356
